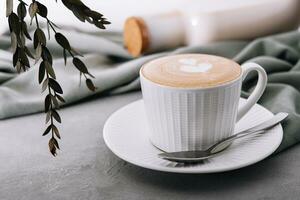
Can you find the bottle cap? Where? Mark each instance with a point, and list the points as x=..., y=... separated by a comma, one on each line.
x=136, y=36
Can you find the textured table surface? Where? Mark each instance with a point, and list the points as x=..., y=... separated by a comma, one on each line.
x=86, y=169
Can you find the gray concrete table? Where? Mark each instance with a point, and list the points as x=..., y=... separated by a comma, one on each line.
x=86, y=169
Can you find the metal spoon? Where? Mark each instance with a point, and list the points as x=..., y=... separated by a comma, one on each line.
x=196, y=156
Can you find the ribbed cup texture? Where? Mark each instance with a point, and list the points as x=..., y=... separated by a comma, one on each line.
x=190, y=119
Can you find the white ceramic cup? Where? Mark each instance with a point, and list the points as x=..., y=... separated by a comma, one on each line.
x=183, y=119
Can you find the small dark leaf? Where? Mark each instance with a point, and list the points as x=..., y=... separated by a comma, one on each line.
x=80, y=75
x=55, y=86
x=14, y=23
x=16, y=57
x=56, y=116
x=28, y=52
x=52, y=146
x=99, y=24
x=35, y=41
x=48, y=117
x=62, y=41
x=90, y=85
x=46, y=55
x=23, y=57
x=42, y=10
x=21, y=40
x=54, y=101
x=22, y=10
x=55, y=143
x=105, y=22
x=25, y=68
x=14, y=41
x=25, y=30
x=55, y=129
x=38, y=53
x=19, y=67
x=49, y=69
x=47, y=103
x=65, y=56
x=80, y=65
x=45, y=84
x=41, y=72
x=32, y=10
x=60, y=98
x=47, y=130
x=39, y=37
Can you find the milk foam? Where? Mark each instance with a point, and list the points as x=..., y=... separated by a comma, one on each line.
x=191, y=65
x=191, y=70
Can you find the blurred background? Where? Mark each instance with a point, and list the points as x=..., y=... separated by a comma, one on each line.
x=114, y=10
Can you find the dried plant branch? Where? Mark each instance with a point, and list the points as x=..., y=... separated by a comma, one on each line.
x=84, y=13
x=47, y=76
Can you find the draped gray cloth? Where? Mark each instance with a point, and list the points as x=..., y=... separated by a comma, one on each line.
x=117, y=72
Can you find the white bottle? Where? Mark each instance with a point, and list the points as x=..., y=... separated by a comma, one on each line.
x=195, y=24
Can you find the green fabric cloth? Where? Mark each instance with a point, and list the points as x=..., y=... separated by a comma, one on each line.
x=117, y=72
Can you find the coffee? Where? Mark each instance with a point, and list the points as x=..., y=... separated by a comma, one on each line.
x=191, y=71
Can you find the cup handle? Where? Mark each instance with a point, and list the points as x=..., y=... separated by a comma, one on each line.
x=259, y=89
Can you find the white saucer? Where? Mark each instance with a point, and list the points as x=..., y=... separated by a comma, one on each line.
x=125, y=134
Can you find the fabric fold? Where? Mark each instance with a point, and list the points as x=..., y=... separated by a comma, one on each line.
x=116, y=72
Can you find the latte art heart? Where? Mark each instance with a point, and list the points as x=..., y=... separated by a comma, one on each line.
x=188, y=61
x=198, y=68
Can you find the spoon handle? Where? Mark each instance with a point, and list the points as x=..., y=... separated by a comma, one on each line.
x=259, y=129
x=270, y=123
